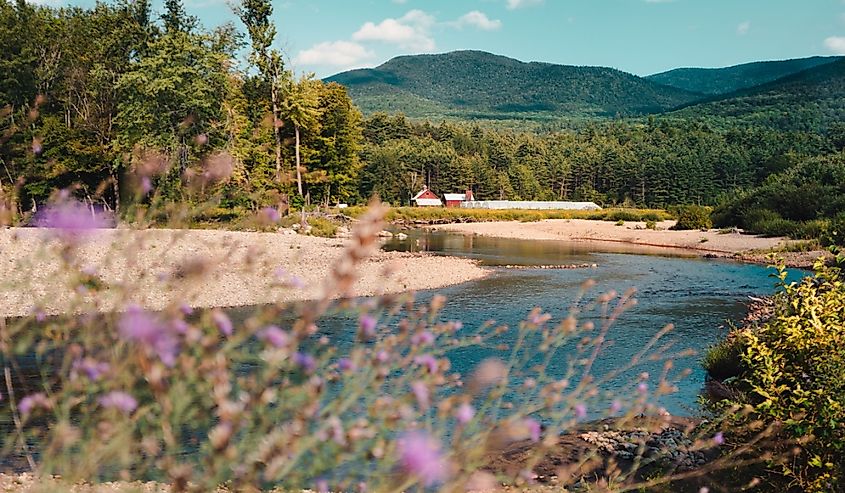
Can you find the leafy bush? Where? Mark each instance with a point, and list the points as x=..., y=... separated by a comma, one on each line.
x=724, y=360
x=833, y=233
x=323, y=227
x=792, y=372
x=650, y=225
x=693, y=217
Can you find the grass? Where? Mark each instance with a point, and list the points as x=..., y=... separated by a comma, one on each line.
x=440, y=214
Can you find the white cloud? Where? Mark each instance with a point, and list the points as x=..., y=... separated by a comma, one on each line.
x=743, y=28
x=411, y=31
x=479, y=20
x=344, y=54
x=518, y=4
x=836, y=44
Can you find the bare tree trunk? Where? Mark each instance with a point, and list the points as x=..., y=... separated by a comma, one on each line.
x=298, y=172
x=277, y=131
x=116, y=190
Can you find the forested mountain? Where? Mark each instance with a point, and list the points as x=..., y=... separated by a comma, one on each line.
x=809, y=100
x=479, y=84
x=714, y=81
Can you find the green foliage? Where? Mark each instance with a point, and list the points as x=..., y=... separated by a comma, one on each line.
x=798, y=202
x=792, y=367
x=323, y=227
x=693, y=217
x=724, y=360
x=474, y=83
x=834, y=232
x=730, y=79
x=441, y=214
x=808, y=100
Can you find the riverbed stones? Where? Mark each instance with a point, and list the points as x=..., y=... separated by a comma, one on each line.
x=670, y=447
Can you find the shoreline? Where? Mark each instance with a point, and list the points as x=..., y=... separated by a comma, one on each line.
x=156, y=268
x=707, y=244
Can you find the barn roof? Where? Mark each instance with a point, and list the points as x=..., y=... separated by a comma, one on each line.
x=422, y=192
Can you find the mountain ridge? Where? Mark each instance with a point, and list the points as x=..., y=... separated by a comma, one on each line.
x=725, y=80
x=468, y=81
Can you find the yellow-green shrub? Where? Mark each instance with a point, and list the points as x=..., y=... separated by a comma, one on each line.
x=793, y=372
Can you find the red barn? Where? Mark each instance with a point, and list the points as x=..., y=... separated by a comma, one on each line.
x=427, y=198
x=455, y=199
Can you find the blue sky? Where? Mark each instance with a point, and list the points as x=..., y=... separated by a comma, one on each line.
x=638, y=36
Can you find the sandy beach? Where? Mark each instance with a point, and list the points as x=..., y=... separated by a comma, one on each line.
x=711, y=243
x=205, y=268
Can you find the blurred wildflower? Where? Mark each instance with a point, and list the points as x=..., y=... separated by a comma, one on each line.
x=139, y=326
x=367, y=323
x=305, y=361
x=34, y=401
x=533, y=427
x=345, y=365
x=119, y=400
x=464, y=413
x=422, y=338
x=428, y=361
x=92, y=368
x=719, y=438
x=420, y=456
x=70, y=219
x=274, y=336
x=421, y=394
x=222, y=321
x=580, y=411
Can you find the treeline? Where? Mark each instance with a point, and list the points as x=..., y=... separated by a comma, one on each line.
x=652, y=164
x=111, y=95
x=127, y=107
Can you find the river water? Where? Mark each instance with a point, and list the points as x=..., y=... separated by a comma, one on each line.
x=698, y=296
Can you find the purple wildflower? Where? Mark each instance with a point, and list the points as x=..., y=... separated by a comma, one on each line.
x=322, y=486
x=704, y=489
x=421, y=394
x=274, y=336
x=33, y=401
x=186, y=309
x=92, y=368
x=642, y=388
x=421, y=338
x=367, y=323
x=615, y=407
x=121, y=401
x=71, y=220
x=464, y=413
x=179, y=326
x=40, y=315
x=719, y=438
x=428, y=361
x=305, y=361
x=382, y=356
x=345, y=365
x=534, y=428
x=146, y=185
x=420, y=455
x=222, y=321
x=269, y=215
x=141, y=327
x=580, y=411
